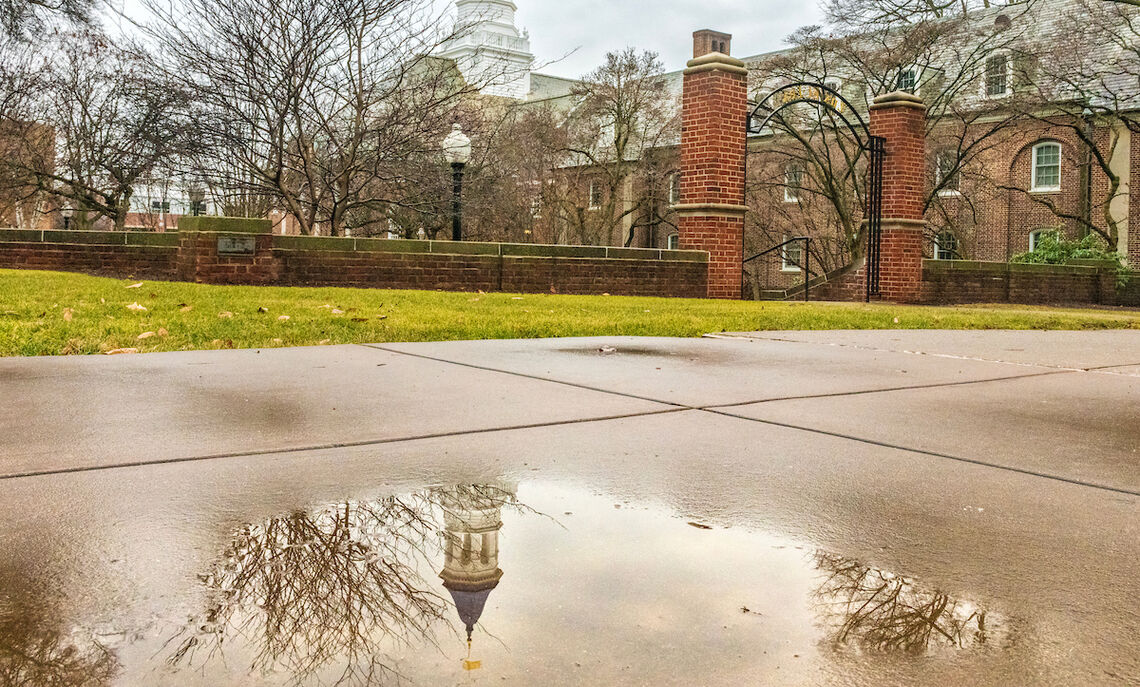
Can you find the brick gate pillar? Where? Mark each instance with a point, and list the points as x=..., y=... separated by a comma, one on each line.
x=900, y=118
x=713, y=131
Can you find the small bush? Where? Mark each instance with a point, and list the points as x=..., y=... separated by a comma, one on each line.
x=1054, y=249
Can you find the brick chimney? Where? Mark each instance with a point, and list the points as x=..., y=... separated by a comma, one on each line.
x=707, y=40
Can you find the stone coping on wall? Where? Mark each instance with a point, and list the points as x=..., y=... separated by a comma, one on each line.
x=90, y=238
x=1003, y=267
x=334, y=244
x=522, y=250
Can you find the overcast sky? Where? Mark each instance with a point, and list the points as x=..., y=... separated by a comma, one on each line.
x=594, y=27
x=581, y=32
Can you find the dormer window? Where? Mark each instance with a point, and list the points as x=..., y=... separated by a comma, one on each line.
x=907, y=80
x=998, y=75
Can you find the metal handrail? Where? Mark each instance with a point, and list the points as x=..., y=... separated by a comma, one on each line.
x=804, y=267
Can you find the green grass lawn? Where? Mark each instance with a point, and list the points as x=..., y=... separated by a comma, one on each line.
x=54, y=313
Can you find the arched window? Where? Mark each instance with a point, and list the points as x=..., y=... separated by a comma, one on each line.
x=1046, y=167
x=673, y=242
x=945, y=246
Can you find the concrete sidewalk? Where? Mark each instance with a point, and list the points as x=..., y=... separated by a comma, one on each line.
x=1002, y=467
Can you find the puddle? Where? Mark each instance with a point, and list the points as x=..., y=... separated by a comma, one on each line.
x=501, y=583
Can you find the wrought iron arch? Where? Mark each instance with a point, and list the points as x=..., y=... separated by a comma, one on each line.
x=822, y=95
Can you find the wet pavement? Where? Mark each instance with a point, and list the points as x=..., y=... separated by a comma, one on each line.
x=887, y=508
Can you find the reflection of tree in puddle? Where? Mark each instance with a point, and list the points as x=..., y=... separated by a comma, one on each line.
x=34, y=656
x=332, y=589
x=880, y=611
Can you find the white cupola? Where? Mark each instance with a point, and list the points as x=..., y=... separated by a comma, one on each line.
x=490, y=51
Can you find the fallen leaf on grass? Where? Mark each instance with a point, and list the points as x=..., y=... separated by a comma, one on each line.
x=896, y=320
x=145, y=335
x=277, y=341
x=186, y=308
x=136, y=307
x=121, y=351
x=225, y=314
x=263, y=310
x=516, y=298
x=135, y=286
x=360, y=319
x=283, y=318
x=322, y=342
x=337, y=311
x=381, y=317
x=68, y=313
x=162, y=331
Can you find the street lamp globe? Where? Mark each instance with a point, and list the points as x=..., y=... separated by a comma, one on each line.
x=457, y=146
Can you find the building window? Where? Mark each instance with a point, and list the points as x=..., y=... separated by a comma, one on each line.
x=160, y=206
x=997, y=75
x=945, y=246
x=946, y=178
x=595, y=195
x=1046, y=167
x=793, y=183
x=674, y=188
x=1037, y=235
x=673, y=242
x=791, y=255
x=197, y=208
x=907, y=80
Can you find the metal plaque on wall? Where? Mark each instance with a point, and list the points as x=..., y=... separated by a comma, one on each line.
x=237, y=245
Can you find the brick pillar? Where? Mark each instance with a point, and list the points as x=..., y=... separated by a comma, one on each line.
x=900, y=118
x=711, y=212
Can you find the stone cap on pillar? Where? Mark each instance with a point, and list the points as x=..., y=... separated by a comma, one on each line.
x=898, y=99
x=709, y=209
x=718, y=62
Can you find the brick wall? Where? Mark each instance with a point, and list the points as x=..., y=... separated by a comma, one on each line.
x=962, y=281
x=146, y=256
x=376, y=263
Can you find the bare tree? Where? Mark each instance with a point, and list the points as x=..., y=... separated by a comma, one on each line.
x=320, y=106
x=21, y=18
x=617, y=142
x=100, y=121
x=881, y=611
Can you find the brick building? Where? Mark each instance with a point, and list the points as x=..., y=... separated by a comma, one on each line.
x=1003, y=164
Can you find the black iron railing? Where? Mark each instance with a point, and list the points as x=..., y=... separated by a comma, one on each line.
x=803, y=264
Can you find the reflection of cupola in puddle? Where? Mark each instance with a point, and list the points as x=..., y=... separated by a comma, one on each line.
x=472, y=517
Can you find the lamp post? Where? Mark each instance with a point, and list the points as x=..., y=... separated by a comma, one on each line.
x=457, y=151
x=67, y=214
